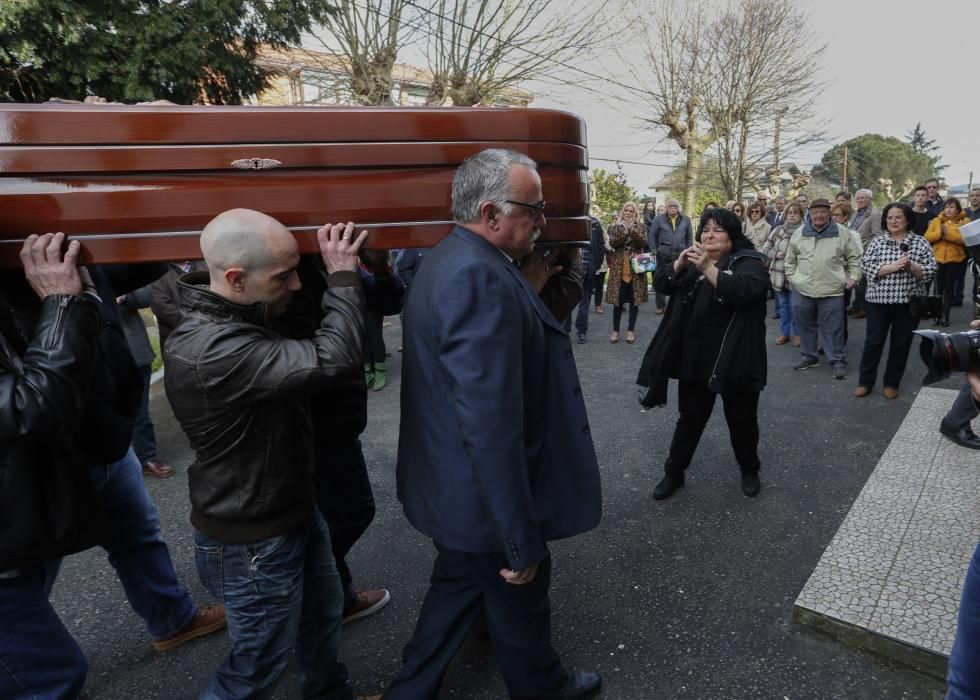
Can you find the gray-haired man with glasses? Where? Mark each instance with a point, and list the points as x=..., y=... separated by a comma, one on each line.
x=495, y=458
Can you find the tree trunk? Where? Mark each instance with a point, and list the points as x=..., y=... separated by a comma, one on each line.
x=692, y=173
x=743, y=144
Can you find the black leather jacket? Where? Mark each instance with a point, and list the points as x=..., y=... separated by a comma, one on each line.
x=241, y=393
x=48, y=504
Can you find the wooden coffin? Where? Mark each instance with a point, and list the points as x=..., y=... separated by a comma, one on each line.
x=138, y=183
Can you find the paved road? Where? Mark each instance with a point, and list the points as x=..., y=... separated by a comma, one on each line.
x=689, y=598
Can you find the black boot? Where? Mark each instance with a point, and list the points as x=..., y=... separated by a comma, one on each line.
x=750, y=484
x=667, y=486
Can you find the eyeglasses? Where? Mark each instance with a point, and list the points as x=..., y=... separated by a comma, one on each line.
x=535, y=209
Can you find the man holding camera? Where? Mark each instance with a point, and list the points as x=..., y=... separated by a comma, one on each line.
x=964, y=672
x=956, y=424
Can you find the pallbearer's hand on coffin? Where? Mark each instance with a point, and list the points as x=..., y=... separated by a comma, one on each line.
x=338, y=246
x=539, y=267
x=45, y=268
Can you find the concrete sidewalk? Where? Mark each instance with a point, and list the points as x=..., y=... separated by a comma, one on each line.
x=890, y=580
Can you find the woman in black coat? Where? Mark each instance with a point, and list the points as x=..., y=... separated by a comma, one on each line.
x=712, y=340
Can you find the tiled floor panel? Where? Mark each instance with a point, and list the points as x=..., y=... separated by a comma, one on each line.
x=895, y=567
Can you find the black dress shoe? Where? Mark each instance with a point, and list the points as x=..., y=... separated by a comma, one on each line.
x=750, y=484
x=667, y=486
x=964, y=437
x=576, y=685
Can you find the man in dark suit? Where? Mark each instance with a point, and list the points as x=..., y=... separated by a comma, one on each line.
x=777, y=216
x=669, y=235
x=495, y=458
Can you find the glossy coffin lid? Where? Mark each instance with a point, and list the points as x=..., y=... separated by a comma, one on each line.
x=137, y=183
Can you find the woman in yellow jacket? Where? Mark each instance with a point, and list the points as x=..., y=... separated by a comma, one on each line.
x=950, y=252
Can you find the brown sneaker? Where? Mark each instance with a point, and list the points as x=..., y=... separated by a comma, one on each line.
x=368, y=603
x=861, y=391
x=782, y=340
x=158, y=470
x=796, y=341
x=890, y=393
x=208, y=619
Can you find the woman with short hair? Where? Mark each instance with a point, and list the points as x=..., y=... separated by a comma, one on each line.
x=713, y=340
x=896, y=266
x=949, y=250
x=775, y=252
x=739, y=210
x=757, y=229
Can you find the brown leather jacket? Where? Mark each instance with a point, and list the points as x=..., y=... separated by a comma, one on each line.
x=240, y=392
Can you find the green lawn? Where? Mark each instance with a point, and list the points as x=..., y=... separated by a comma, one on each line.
x=157, y=359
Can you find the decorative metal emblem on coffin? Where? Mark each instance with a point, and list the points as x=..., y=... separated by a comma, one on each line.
x=256, y=163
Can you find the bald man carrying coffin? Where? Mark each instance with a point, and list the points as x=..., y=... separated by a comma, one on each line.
x=240, y=392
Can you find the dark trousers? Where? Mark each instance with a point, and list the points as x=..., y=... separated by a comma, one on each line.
x=144, y=437
x=625, y=297
x=696, y=402
x=964, y=409
x=661, y=299
x=859, y=291
x=598, y=285
x=465, y=587
x=884, y=320
x=582, y=317
x=375, y=350
x=964, y=671
x=344, y=497
x=38, y=657
x=946, y=278
x=959, y=285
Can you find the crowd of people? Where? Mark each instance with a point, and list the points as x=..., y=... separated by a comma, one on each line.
x=269, y=356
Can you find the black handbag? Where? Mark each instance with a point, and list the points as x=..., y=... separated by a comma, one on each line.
x=923, y=305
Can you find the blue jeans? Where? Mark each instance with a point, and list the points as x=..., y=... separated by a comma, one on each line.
x=136, y=550
x=279, y=593
x=784, y=307
x=964, y=670
x=144, y=437
x=38, y=657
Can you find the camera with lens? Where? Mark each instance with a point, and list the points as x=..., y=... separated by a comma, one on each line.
x=945, y=353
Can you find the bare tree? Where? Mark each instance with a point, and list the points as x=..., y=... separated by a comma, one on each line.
x=733, y=83
x=477, y=49
x=366, y=36
x=766, y=80
x=675, y=79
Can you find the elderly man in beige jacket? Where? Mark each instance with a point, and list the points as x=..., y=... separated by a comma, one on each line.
x=822, y=260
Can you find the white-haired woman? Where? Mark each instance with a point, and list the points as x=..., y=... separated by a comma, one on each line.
x=626, y=238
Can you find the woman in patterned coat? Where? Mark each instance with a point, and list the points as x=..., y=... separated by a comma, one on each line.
x=896, y=265
x=627, y=237
x=775, y=252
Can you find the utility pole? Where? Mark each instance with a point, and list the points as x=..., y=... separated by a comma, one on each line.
x=843, y=185
x=775, y=149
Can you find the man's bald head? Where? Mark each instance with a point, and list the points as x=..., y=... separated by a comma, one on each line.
x=241, y=238
x=252, y=258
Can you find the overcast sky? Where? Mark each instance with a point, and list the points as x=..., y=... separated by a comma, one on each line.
x=891, y=63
